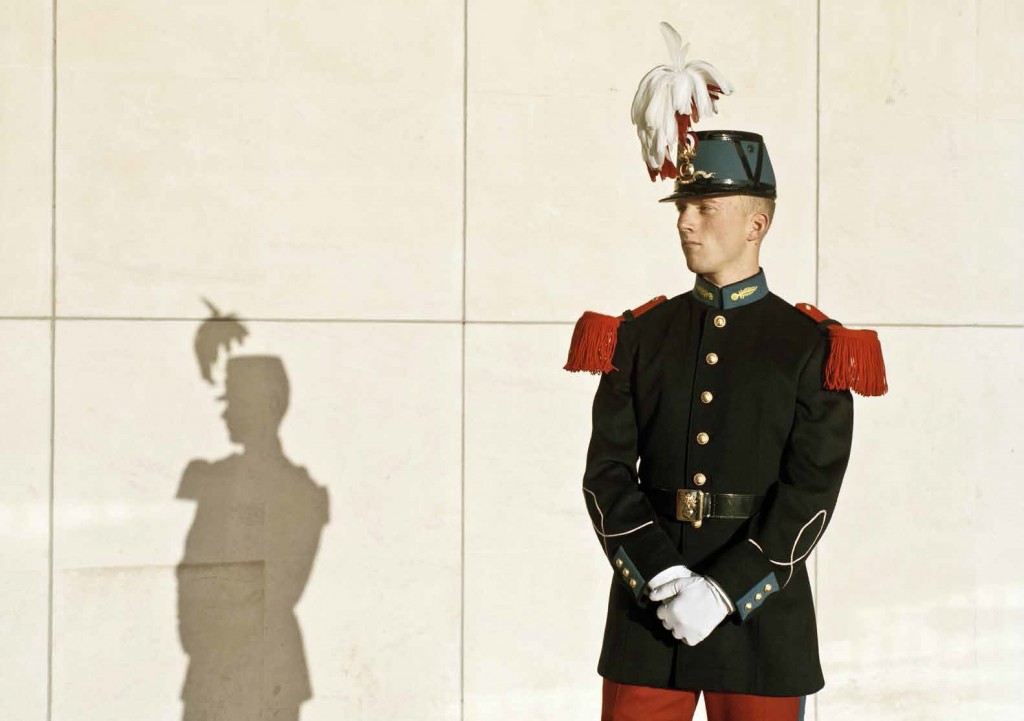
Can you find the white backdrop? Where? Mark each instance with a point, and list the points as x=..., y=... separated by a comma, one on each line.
x=409, y=204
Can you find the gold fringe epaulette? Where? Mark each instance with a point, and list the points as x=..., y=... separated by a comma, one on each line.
x=594, y=338
x=855, y=356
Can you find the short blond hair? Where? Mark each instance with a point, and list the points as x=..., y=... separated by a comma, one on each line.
x=756, y=204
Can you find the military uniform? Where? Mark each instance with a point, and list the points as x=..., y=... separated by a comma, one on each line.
x=719, y=394
x=721, y=432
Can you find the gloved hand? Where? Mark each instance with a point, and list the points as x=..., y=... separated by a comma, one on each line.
x=670, y=574
x=692, y=608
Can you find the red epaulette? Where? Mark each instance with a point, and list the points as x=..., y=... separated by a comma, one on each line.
x=855, y=356
x=594, y=339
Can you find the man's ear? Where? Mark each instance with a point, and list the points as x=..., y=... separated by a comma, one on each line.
x=758, y=226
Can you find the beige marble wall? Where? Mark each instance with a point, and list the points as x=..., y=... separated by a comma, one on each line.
x=409, y=204
x=24, y=516
x=920, y=160
x=26, y=168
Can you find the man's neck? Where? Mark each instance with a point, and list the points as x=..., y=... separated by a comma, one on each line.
x=729, y=276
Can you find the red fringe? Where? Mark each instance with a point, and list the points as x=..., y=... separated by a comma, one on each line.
x=593, y=343
x=855, y=362
x=594, y=339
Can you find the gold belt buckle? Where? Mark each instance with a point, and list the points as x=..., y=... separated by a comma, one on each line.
x=690, y=506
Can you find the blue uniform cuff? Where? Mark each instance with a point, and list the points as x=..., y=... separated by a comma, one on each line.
x=626, y=572
x=757, y=594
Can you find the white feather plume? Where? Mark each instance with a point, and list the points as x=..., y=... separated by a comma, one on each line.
x=679, y=87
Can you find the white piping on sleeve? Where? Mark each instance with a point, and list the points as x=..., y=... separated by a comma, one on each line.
x=604, y=538
x=624, y=533
x=793, y=561
x=601, y=531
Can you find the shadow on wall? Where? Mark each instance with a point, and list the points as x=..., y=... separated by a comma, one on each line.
x=249, y=551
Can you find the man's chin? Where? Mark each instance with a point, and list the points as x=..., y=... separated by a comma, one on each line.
x=693, y=266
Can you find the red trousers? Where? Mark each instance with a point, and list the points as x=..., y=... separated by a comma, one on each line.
x=622, y=702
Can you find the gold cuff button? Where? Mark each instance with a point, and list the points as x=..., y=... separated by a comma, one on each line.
x=625, y=572
x=703, y=438
x=758, y=596
x=699, y=479
x=711, y=358
x=767, y=588
x=719, y=321
x=618, y=563
x=698, y=524
x=706, y=397
x=632, y=583
x=748, y=607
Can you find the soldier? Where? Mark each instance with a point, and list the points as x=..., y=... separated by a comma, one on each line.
x=737, y=406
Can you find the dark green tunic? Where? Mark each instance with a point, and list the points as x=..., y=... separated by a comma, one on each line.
x=772, y=430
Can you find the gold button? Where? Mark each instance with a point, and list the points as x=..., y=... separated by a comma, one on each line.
x=632, y=583
x=699, y=479
x=618, y=563
x=703, y=438
x=719, y=321
x=758, y=596
x=698, y=524
x=748, y=607
x=625, y=572
x=711, y=358
x=706, y=397
x=767, y=588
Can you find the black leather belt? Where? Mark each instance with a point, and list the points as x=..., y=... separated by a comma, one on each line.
x=694, y=506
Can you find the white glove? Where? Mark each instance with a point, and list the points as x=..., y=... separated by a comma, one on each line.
x=692, y=608
x=670, y=574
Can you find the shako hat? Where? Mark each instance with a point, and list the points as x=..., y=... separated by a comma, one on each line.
x=670, y=99
x=725, y=162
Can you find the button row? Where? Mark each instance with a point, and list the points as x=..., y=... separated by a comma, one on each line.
x=699, y=479
x=625, y=572
x=757, y=597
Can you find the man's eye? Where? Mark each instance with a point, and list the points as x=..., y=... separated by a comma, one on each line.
x=707, y=208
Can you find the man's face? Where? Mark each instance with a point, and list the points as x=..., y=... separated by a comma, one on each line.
x=714, y=233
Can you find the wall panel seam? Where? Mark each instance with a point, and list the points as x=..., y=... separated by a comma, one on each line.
x=462, y=411
x=53, y=359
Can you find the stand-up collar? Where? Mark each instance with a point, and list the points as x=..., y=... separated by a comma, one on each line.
x=734, y=295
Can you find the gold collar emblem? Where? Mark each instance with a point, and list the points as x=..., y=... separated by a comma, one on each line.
x=705, y=293
x=741, y=294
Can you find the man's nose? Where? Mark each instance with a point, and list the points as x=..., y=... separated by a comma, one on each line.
x=685, y=221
